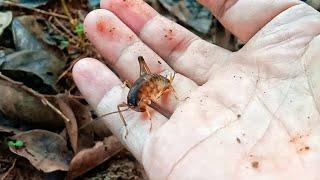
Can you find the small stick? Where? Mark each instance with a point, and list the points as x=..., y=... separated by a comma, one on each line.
x=76, y=38
x=69, y=68
x=46, y=102
x=64, y=28
x=34, y=93
x=36, y=10
x=62, y=33
x=67, y=12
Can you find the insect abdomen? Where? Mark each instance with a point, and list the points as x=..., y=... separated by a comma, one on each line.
x=147, y=87
x=153, y=86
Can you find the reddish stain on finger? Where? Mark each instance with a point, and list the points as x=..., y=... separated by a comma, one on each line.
x=110, y=29
x=135, y=13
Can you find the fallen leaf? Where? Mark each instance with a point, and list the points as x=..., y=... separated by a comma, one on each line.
x=314, y=3
x=6, y=126
x=83, y=116
x=45, y=150
x=18, y=105
x=30, y=32
x=4, y=129
x=36, y=69
x=5, y=20
x=31, y=3
x=191, y=13
x=72, y=127
x=93, y=4
x=90, y=158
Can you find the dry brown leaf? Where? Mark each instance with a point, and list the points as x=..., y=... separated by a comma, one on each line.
x=83, y=116
x=47, y=151
x=72, y=127
x=9, y=130
x=16, y=104
x=90, y=158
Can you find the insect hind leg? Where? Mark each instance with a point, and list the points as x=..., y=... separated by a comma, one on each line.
x=122, y=118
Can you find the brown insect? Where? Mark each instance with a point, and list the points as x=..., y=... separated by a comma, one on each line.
x=143, y=93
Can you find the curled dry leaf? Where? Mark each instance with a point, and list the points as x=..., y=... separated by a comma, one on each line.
x=191, y=13
x=35, y=68
x=83, y=116
x=29, y=33
x=9, y=130
x=46, y=151
x=31, y=3
x=90, y=158
x=72, y=127
x=5, y=20
x=16, y=104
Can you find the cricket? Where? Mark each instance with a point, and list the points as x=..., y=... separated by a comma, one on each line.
x=143, y=93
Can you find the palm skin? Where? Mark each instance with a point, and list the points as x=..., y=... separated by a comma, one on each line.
x=251, y=114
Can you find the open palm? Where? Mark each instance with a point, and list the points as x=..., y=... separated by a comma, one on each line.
x=251, y=114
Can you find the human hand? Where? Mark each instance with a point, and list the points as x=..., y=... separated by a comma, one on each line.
x=251, y=114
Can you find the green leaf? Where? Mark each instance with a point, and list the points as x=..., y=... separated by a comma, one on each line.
x=16, y=144
x=63, y=44
x=79, y=29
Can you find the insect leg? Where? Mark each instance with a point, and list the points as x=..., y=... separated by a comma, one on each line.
x=122, y=118
x=176, y=94
x=146, y=102
x=171, y=77
x=126, y=83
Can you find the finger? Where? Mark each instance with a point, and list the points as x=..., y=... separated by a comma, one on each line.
x=244, y=18
x=121, y=47
x=103, y=90
x=185, y=52
x=93, y=79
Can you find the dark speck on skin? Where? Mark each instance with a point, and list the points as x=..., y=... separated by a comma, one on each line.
x=238, y=140
x=239, y=116
x=255, y=164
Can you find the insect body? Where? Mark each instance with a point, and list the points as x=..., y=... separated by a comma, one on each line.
x=143, y=93
x=145, y=90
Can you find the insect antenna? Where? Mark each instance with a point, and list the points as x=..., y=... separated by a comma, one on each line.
x=100, y=118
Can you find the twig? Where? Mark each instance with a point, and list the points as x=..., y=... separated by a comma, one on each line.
x=67, y=12
x=36, y=94
x=36, y=10
x=69, y=68
x=69, y=96
x=9, y=170
x=67, y=30
x=45, y=101
x=75, y=97
x=62, y=33
x=64, y=28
